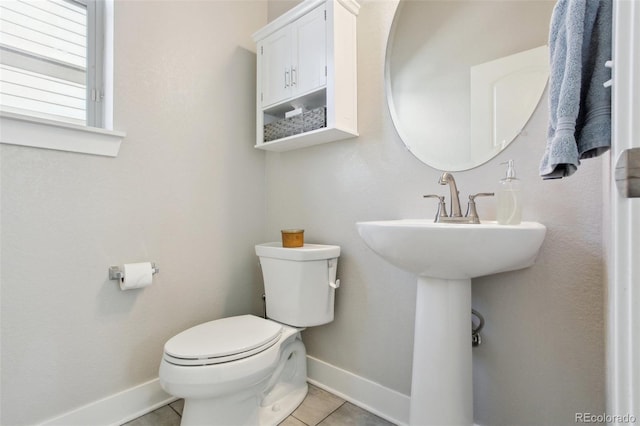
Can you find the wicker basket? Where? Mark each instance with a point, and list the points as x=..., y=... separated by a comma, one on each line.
x=315, y=119
x=305, y=122
x=283, y=128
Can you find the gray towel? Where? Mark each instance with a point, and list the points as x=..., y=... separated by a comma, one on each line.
x=579, y=104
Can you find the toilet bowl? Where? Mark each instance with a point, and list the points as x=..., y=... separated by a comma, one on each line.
x=247, y=370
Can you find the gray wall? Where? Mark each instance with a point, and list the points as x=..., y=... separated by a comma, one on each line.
x=543, y=354
x=186, y=191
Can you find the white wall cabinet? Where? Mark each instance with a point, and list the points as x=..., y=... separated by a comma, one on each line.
x=293, y=59
x=307, y=59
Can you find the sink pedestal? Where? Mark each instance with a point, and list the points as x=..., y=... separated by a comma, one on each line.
x=441, y=387
x=442, y=383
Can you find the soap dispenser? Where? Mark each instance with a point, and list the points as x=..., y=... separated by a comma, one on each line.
x=509, y=200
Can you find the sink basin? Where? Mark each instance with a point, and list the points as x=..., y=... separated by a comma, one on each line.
x=445, y=257
x=453, y=251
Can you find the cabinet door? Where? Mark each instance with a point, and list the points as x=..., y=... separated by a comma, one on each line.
x=309, y=60
x=276, y=67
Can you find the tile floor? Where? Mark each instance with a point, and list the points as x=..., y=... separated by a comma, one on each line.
x=319, y=408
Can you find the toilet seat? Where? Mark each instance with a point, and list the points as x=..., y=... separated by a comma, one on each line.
x=222, y=340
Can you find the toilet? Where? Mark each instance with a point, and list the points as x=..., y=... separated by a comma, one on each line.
x=247, y=370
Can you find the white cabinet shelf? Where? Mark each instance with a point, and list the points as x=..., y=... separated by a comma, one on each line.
x=307, y=59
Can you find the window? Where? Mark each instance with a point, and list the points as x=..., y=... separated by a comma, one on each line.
x=51, y=59
x=56, y=76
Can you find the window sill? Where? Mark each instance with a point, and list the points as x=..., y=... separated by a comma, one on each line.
x=23, y=130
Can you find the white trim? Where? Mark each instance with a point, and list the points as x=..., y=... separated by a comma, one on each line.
x=17, y=129
x=351, y=5
x=286, y=18
x=387, y=403
x=117, y=409
x=623, y=317
x=301, y=9
x=139, y=400
x=142, y=399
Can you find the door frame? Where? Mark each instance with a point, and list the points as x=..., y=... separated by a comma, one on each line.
x=622, y=222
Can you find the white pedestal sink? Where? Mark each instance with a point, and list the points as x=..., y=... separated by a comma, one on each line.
x=445, y=257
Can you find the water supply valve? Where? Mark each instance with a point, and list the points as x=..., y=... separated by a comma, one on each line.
x=476, y=339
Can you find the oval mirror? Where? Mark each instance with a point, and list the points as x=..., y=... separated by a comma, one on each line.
x=464, y=77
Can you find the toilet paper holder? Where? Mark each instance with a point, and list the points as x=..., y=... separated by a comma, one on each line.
x=115, y=273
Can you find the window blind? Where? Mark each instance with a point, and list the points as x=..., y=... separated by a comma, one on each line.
x=43, y=62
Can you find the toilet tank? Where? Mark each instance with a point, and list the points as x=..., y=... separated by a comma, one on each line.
x=299, y=283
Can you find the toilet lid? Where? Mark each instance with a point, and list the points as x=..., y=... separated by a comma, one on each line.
x=222, y=340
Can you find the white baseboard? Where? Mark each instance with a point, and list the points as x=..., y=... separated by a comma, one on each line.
x=116, y=409
x=373, y=397
x=137, y=401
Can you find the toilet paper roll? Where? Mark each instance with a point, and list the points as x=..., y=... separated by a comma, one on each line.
x=136, y=275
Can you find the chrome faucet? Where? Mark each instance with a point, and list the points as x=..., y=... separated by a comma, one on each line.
x=456, y=213
x=447, y=179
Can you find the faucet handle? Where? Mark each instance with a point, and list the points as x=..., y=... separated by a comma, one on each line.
x=481, y=194
x=442, y=208
x=472, y=213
